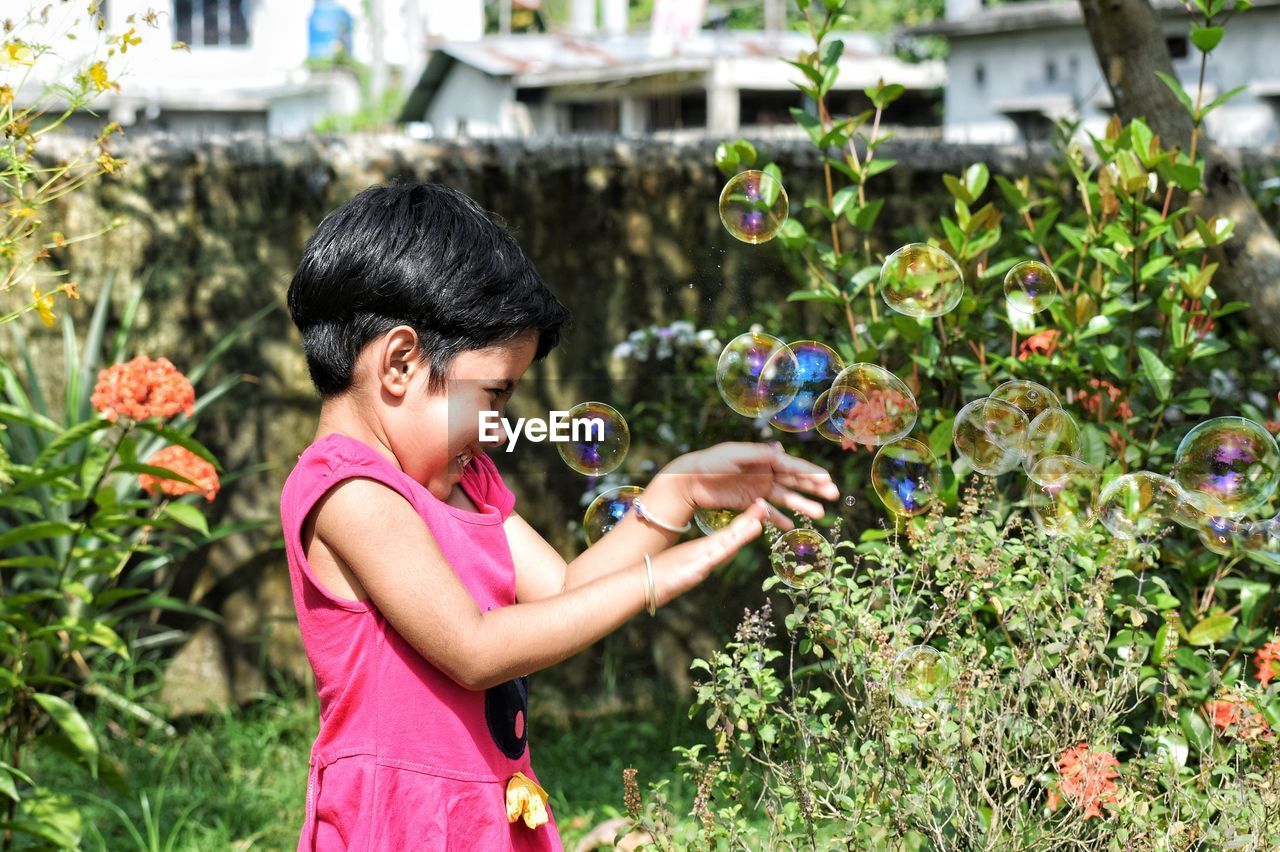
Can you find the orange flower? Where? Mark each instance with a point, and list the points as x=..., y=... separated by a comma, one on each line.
x=1105, y=401
x=1232, y=710
x=143, y=388
x=1088, y=780
x=1268, y=660
x=183, y=462
x=1042, y=343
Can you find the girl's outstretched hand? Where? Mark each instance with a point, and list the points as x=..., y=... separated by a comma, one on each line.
x=684, y=566
x=733, y=475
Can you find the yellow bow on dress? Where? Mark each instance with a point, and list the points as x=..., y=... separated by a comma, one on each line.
x=525, y=798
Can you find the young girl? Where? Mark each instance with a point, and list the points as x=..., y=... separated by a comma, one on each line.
x=423, y=598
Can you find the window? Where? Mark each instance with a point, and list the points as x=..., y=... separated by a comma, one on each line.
x=1177, y=47
x=1051, y=71
x=211, y=23
x=980, y=74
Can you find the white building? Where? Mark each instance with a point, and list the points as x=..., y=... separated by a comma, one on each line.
x=1017, y=67
x=630, y=83
x=247, y=67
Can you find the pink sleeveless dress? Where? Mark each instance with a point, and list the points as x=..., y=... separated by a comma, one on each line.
x=406, y=759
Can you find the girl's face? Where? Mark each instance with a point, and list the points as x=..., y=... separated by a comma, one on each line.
x=436, y=435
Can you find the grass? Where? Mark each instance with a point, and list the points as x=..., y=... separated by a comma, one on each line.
x=238, y=781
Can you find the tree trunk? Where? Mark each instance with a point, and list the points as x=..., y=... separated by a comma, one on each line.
x=1130, y=46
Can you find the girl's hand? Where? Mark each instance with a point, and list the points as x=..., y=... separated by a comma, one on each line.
x=684, y=566
x=735, y=475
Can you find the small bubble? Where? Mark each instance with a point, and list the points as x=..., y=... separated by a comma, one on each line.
x=850, y=501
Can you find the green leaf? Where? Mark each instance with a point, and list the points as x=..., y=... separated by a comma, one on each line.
x=866, y=218
x=807, y=296
x=975, y=180
x=35, y=531
x=1196, y=729
x=1206, y=38
x=72, y=436
x=1221, y=99
x=73, y=725
x=842, y=199
x=1211, y=630
x=1178, y=92
x=1157, y=371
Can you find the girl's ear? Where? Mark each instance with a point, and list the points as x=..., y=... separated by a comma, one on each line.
x=397, y=361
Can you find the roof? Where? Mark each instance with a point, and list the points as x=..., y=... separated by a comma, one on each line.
x=1034, y=15
x=547, y=60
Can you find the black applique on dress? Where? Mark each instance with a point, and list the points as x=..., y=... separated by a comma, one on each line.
x=506, y=710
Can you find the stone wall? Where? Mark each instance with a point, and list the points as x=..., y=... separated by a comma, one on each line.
x=627, y=233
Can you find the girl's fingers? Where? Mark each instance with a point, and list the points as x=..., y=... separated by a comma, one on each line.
x=795, y=502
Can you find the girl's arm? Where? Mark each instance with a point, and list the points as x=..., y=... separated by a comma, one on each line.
x=405, y=575
x=730, y=475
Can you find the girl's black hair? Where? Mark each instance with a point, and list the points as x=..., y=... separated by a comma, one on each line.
x=421, y=255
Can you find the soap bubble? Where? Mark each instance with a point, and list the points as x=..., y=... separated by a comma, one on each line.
x=1062, y=491
x=802, y=558
x=1034, y=399
x=1054, y=432
x=921, y=280
x=818, y=365
x=989, y=434
x=599, y=439
x=1030, y=286
x=607, y=510
x=822, y=421
x=871, y=406
x=753, y=207
x=850, y=501
x=1140, y=505
x=1230, y=464
x=920, y=676
x=757, y=374
x=906, y=476
x=1224, y=536
x=713, y=520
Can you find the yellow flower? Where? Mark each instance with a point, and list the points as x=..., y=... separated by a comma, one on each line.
x=129, y=39
x=98, y=76
x=525, y=798
x=16, y=53
x=44, y=306
x=6, y=95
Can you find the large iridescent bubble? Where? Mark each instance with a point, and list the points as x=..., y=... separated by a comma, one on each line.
x=870, y=406
x=598, y=439
x=822, y=421
x=1030, y=287
x=802, y=558
x=817, y=367
x=1061, y=492
x=989, y=435
x=921, y=280
x=1053, y=432
x=607, y=510
x=906, y=477
x=713, y=520
x=753, y=207
x=757, y=374
x=1140, y=505
x=1032, y=398
x=1230, y=463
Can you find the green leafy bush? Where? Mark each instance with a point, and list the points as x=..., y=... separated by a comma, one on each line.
x=1107, y=693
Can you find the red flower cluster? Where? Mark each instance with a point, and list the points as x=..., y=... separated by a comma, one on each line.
x=183, y=462
x=1087, y=780
x=1105, y=398
x=143, y=388
x=1233, y=710
x=883, y=412
x=1268, y=660
x=1042, y=343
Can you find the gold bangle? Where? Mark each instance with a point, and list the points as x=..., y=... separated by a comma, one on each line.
x=650, y=596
